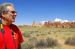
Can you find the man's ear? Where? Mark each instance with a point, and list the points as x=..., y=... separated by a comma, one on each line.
x=3, y=13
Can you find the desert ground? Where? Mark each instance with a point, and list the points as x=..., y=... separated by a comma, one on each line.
x=47, y=37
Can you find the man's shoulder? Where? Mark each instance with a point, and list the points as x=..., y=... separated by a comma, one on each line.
x=14, y=26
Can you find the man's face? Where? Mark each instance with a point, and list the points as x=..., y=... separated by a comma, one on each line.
x=10, y=15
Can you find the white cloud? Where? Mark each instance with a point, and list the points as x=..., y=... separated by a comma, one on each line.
x=43, y=22
x=65, y=20
x=60, y=20
x=57, y=20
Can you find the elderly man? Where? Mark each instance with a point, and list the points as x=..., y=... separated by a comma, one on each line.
x=10, y=35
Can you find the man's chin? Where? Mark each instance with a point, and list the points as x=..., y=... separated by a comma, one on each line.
x=13, y=21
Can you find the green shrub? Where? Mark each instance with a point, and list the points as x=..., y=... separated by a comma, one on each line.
x=33, y=41
x=70, y=41
x=40, y=43
x=51, y=42
x=48, y=42
x=26, y=34
x=28, y=46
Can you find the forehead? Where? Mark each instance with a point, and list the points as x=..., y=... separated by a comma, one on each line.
x=10, y=8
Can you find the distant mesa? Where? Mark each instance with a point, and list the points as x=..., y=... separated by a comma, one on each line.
x=56, y=23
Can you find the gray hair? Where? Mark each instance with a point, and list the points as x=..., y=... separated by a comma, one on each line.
x=3, y=7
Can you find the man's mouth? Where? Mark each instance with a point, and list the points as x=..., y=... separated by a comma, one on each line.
x=14, y=17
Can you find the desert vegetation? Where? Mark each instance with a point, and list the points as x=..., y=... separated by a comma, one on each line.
x=48, y=37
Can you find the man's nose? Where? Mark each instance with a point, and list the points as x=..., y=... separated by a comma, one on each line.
x=15, y=14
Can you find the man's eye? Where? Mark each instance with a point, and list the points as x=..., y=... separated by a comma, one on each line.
x=13, y=12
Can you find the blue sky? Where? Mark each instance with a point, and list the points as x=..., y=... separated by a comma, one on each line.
x=43, y=10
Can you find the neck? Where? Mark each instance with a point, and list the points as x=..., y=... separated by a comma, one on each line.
x=5, y=22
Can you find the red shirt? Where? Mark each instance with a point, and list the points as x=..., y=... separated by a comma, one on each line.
x=8, y=40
